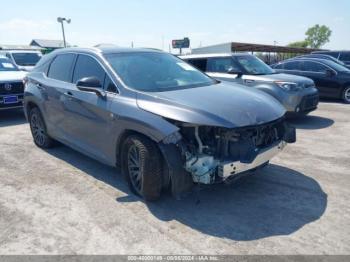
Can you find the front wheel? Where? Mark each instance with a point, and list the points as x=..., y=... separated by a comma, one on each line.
x=142, y=165
x=346, y=95
x=38, y=129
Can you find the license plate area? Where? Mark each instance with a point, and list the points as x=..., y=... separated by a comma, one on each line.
x=10, y=99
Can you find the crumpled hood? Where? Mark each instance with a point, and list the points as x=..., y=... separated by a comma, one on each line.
x=12, y=75
x=280, y=77
x=226, y=104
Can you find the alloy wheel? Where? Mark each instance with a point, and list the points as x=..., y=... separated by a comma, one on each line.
x=134, y=168
x=38, y=129
x=347, y=94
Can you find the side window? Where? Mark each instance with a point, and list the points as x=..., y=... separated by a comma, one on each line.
x=200, y=64
x=109, y=85
x=314, y=67
x=345, y=56
x=8, y=55
x=220, y=64
x=87, y=66
x=61, y=67
x=295, y=65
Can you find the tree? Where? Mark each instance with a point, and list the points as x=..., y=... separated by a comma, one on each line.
x=317, y=36
x=301, y=44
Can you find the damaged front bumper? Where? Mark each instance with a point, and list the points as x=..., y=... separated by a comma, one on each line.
x=228, y=169
x=209, y=155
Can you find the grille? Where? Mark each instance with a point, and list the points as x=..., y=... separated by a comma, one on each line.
x=309, y=102
x=16, y=88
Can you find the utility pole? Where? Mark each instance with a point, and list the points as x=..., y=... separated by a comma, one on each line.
x=61, y=20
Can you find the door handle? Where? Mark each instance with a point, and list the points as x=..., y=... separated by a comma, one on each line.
x=68, y=93
x=249, y=81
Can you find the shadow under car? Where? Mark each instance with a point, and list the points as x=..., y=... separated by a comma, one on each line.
x=274, y=201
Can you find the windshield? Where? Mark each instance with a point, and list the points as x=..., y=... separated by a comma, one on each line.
x=6, y=65
x=26, y=59
x=152, y=71
x=253, y=65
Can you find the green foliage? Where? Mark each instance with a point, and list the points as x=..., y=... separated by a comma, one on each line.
x=317, y=36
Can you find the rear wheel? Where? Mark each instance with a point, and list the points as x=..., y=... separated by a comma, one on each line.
x=142, y=165
x=346, y=95
x=38, y=129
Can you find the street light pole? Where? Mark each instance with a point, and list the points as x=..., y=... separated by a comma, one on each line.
x=61, y=20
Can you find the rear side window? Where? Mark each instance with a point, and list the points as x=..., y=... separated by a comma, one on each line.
x=345, y=56
x=87, y=66
x=221, y=64
x=200, y=64
x=313, y=67
x=295, y=65
x=61, y=67
x=334, y=54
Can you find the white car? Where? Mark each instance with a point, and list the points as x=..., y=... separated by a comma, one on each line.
x=11, y=85
x=24, y=59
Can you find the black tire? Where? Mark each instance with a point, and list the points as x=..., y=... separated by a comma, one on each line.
x=38, y=129
x=346, y=95
x=142, y=166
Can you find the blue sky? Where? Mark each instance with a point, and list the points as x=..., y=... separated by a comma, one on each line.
x=153, y=23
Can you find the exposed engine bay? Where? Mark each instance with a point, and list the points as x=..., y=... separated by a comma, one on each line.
x=214, y=154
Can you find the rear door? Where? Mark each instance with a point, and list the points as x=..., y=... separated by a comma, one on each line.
x=53, y=88
x=87, y=117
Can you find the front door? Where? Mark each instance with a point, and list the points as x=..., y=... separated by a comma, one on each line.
x=87, y=116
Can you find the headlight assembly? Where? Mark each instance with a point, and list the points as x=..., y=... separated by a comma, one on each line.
x=289, y=86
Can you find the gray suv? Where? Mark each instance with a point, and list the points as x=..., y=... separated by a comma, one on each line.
x=297, y=94
x=165, y=123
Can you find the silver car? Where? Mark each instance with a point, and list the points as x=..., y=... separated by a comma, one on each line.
x=163, y=121
x=297, y=94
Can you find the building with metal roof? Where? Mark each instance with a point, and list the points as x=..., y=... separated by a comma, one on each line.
x=20, y=47
x=48, y=44
x=278, y=52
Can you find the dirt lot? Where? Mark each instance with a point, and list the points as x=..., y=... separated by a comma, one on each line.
x=61, y=202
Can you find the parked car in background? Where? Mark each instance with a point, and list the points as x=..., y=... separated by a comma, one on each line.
x=24, y=59
x=162, y=120
x=297, y=94
x=331, y=79
x=11, y=85
x=343, y=56
x=322, y=56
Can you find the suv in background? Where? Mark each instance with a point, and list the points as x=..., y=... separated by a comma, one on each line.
x=11, y=85
x=25, y=60
x=331, y=79
x=343, y=56
x=296, y=94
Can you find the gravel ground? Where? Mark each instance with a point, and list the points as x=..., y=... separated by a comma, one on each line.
x=61, y=202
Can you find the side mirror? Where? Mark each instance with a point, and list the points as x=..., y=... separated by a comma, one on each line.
x=330, y=73
x=234, y=71
x=91, y=84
